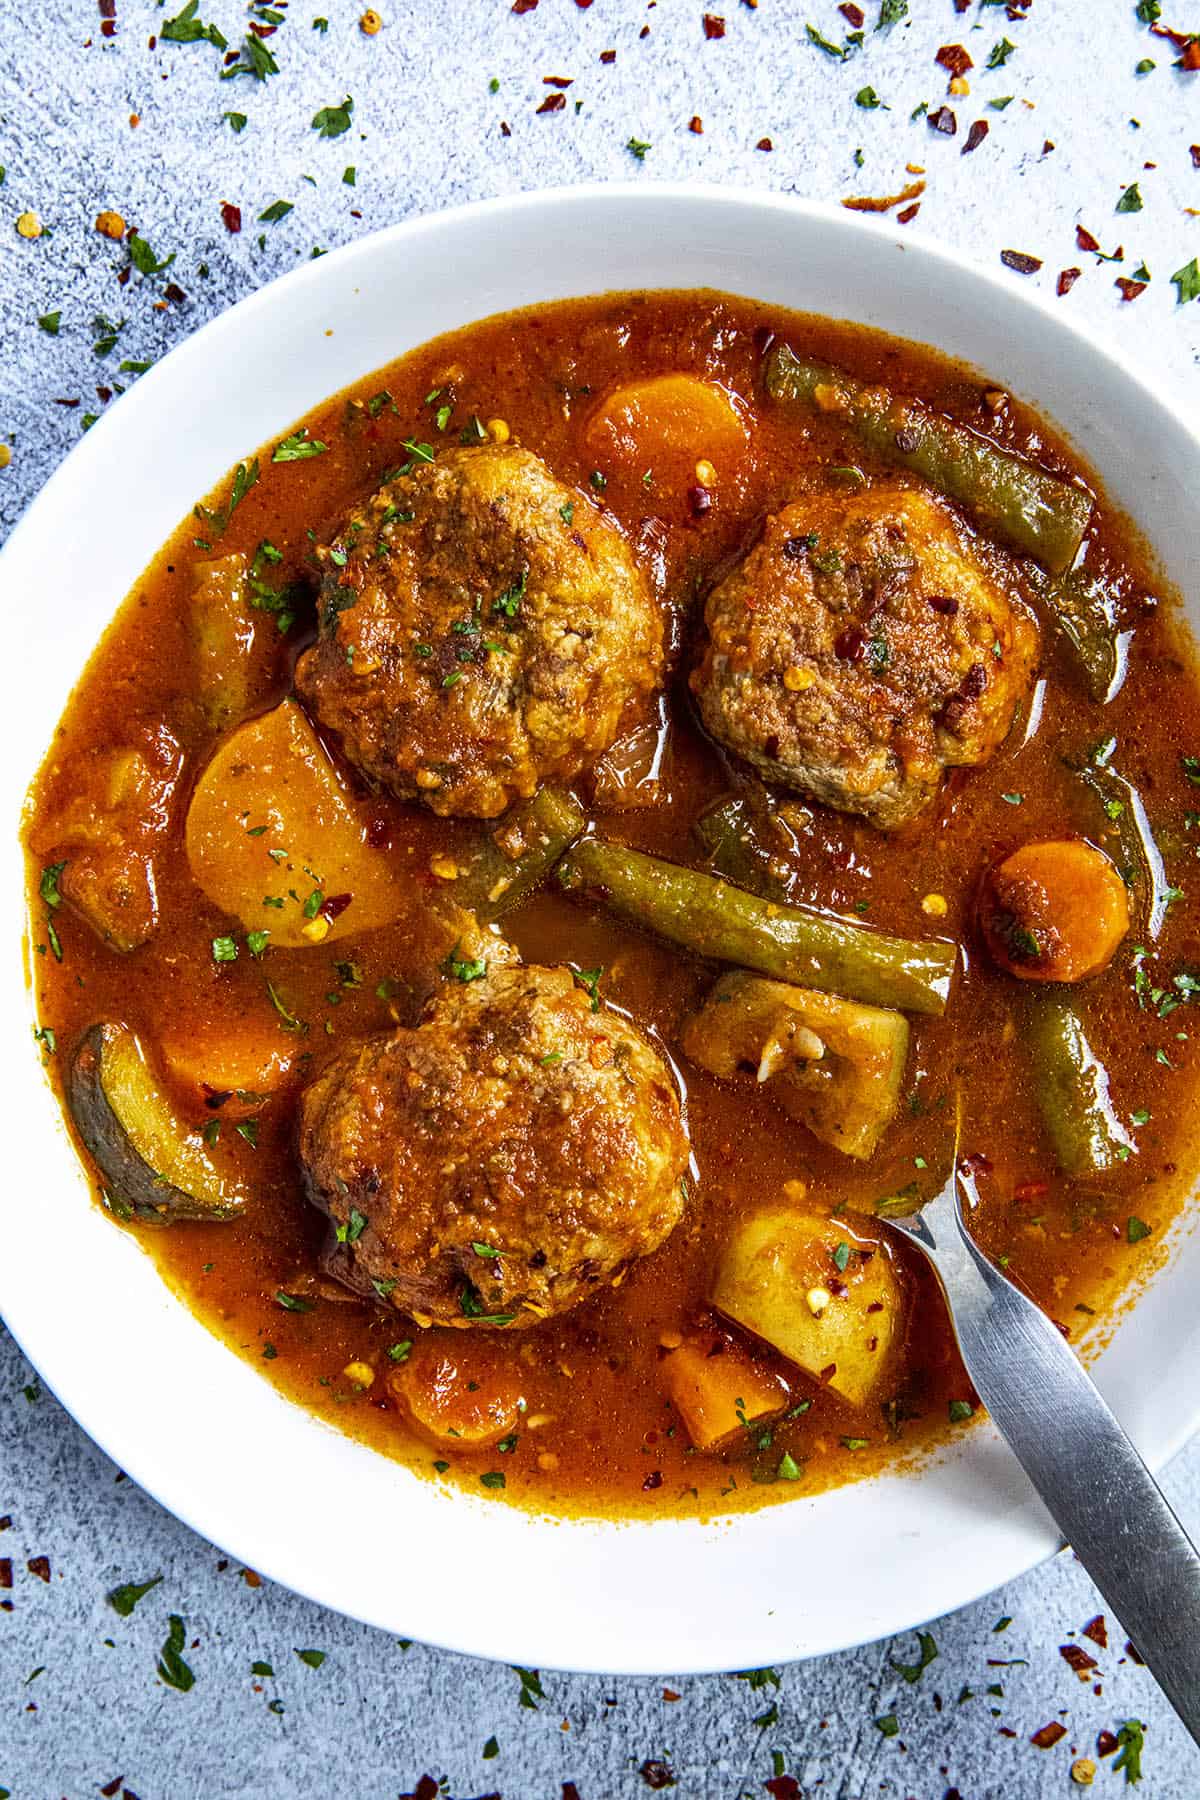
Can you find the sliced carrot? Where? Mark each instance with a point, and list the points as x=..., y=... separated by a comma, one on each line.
x=1054, y=910
x=719, y=1390
x=462, y=1394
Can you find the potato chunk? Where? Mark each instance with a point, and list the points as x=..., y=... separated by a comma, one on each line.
x=719, y=1390
x=235, y=644
x=271, y=822
x=826, y=1296
x=835, y=1065
x=464, y=1396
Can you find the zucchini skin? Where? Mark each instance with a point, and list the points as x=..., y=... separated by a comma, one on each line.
x=128, y=1177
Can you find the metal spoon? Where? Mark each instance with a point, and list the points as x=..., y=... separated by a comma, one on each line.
x=1093, y=1482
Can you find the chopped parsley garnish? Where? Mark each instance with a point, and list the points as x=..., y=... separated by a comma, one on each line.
x=287, y=1019
x=841, y=1257
x=254, y=59
x=123, y=1599
x=352, y=1230
x=49, y=322
x=54, y=941
x=638, y=147
x=186, y=28
x=867, y=98
x=465, y=969
x=485, y=1250
x=509, y=602
x=171, y=1667
x=298, y=447
x=224, y=949
x=48, y=885
x=1131, y=1741
x=332, y=121
x=1000, y=54
x=237, y=121
x=888, y=1724
x=295, y=1303
x=256, y=942
x=531, y=1687
x=492, y=1478
x=598, y=480
x=313, y=904
x=1187, y=282
x=143, y=258
x=472, y=1307
x=244, y=478
x=248, y=1129
x=566, y=511
x=1136, y=1229
x=912, y=1672
x=311, y=1658
x=422, y=453
x=399, y=1353
x=1131, y=199
x=960, y=1410
x=589, y=980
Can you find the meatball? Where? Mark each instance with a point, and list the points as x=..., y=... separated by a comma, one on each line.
x=482, y=631
x=860, y=649
x=498, y=1162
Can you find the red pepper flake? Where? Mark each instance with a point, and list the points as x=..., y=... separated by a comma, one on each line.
x=764, y=144
x=251, y=1578
x=112, y=1788
x=1047, y=146
x=505, y=128
x=608, y=56
x=657, y=1774
x=569, y=1791
x=1084, y=239
x=1129, y=289
x=552, y=103
x=696, y=124
x=1133, y=1654
x=335, y=906
x=653, y=1480
x=714, y=26
x=976, y=1163
x=853, y=15
x=669, y=1694
x=1017, y=259
x=1106, y=1743
x=943, y=120
x=108, y=28
x=954, y=58
x=1048, y=1735
x=943, y=603
x=583, y=4
x=850, y=645
x=524, y=6
x=1190, y=60
x=108, y=9
x=232, y=216
x=783, y=1787
x=1194, y=153
x=909, y=213
x=699, y=501
x=5, y=1571
x=975, y=136
x=427, y=1787
x=644, y=32
x=39, y=1566
x=558, y=81
x=1097, y=1630
x=1078, y=1659
x=175, y=293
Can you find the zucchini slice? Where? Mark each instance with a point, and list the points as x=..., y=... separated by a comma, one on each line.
x=151, y=1162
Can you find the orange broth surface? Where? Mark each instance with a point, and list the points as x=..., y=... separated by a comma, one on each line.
x=599, y=1435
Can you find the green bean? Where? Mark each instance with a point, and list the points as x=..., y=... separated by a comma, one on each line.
x=1080, y=606
x=1071, y=1084
x=1028, y=509
x=516, y=854
x=729, y=834
x=705, y=914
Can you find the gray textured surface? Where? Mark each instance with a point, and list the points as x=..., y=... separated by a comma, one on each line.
x=374, y=1717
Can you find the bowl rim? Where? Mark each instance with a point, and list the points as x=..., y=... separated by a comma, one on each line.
x=119, y=1434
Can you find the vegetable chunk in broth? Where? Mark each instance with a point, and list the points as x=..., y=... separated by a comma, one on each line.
x=536, y=868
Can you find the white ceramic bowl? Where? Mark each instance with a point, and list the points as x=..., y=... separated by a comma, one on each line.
x=186, y=1418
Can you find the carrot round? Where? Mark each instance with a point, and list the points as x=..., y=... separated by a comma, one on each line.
x=665, y=421
x=1054, y=910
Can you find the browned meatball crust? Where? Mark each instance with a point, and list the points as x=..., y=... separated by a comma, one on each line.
x=501, y=1160
x=482, y=630
x=860, y=649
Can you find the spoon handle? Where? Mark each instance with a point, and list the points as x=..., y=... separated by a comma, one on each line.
x=1097, y=1488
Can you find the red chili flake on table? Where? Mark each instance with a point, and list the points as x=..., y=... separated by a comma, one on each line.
x=714, y=25
x=975, y=136
x=108, y=28
x=5, y=1571
x=505, y=128
x=783, y=1787
x=112, y=1788
x=1097, y=1630
x=1129, y=289
x=954, y=58
x=569, y=1791
x=524, y=6
x=583, y=4
x=1085, y=240
x=608, y=56
x=1194, y=152
x=175, y=293
x=427, y=1787
x=909, y=213
x=1017, y=259
x=696, y=124
x=669, y=1694
x=108, y=9
x=557, y=81
x=1134, y=1655
x=1190, y=60
x=552, y=103
x=1048, y=1735
x=232, y=216
x=943, y=120
x=764, y=144
x=962, y=6
x=1106, y=1743
x=853, y=15
x=39, y=1566
x=1078, y=1659
x=657, y=1774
